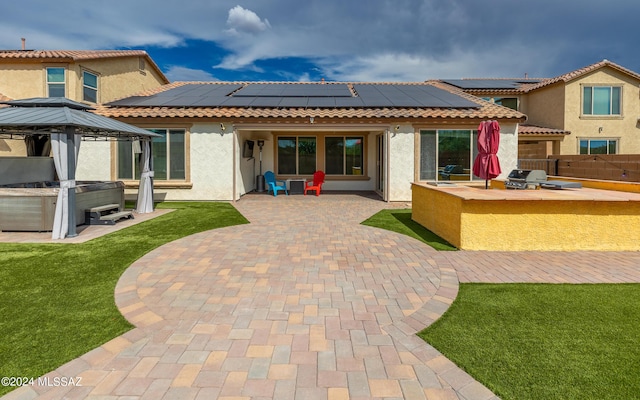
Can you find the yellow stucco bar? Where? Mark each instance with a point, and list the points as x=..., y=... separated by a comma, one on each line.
x=472, y=218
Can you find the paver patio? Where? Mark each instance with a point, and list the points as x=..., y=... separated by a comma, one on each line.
x=302, y=303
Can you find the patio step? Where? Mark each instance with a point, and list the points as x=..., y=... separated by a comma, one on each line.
x=107, y=214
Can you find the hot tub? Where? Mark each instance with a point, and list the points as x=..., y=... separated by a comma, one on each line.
x=30, y=207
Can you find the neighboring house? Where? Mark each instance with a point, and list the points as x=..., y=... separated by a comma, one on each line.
x=364, y=136
x=88, y=76
x=592, y=110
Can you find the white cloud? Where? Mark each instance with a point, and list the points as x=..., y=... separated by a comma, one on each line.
x=391, y=67
x=242, y=20
x=177, y=74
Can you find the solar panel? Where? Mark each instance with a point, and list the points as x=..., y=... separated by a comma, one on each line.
x=293, y=90
x=301, y=95
x=489, y=83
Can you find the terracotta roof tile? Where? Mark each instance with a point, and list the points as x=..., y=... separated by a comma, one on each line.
x=524, y=129
x=69, y=54
x=76, y=55
x=486, y=110
x=580, y=72
x=4, y=98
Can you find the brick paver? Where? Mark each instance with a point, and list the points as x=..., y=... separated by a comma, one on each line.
x=303, y=303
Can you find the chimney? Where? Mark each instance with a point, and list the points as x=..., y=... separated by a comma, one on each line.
x=24, y=44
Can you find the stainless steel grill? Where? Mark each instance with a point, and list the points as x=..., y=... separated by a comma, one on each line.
x=525, y=179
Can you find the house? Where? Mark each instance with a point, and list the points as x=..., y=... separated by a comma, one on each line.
x=592, y=110
x=87, y=76
x=219, y=136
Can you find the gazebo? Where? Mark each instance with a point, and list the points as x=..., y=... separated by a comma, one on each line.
x=68, y=122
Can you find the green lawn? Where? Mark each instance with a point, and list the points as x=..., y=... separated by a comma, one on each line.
x=545, y=341
x=56, y=300
x=537, y=341
x=400, y=221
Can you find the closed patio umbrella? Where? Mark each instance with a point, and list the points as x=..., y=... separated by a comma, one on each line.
x=486, y=165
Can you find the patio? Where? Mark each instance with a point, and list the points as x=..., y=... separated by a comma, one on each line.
x=313, y=306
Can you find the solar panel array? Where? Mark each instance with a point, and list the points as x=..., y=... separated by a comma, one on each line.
x=283, y=95
x=489, y=83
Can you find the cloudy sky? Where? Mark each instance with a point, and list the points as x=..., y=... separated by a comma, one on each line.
x=340, y=40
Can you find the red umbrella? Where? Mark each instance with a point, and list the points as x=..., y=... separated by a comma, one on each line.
x=486, y=165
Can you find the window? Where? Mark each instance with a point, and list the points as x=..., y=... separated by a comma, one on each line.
x=169, y=161
x=447, y=154
x=601, y=100
x=343, y=155
x=89, y=87
x=598, y=146
x=56, y=82
x=296, y=155
x=509, y=102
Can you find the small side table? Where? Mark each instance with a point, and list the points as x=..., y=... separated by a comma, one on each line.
x=296, y=186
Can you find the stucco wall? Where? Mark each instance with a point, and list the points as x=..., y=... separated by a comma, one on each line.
x=522, y=225
x=624, y=127
x=401, y=163
x=19, y=81
x=94, y=161
x=117, y=78
x=508, y=150
x=545, y=107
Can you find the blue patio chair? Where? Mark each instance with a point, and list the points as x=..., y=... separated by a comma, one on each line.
x=273, y=184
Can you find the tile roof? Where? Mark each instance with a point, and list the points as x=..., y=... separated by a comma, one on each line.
x=525, y=129
x=4, y=98
x=580, y=72
x=525, y=87
x=75, y=56
x=486, y=110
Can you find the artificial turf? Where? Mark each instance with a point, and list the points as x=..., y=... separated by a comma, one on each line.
x=545, y=341
x=399, y=220
x=56, y=300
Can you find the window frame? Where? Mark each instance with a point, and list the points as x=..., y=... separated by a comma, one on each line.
x=609, y=140
x=135, y=173
x=297, y=153
x=321, y=152
x=437, y=169
x=63, y=83
x=592, y=88
x=85, y=86
x=345, y=138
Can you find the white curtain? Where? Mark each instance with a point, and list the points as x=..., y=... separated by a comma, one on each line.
x=145, y=190
x=59, y=146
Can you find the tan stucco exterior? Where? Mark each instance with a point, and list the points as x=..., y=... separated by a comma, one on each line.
x=118, y=77
x=556, y=103
x=623, y=127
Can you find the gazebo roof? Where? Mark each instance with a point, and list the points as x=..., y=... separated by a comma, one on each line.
x=52, y=115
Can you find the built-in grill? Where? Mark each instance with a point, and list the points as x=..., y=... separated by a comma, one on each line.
x=525, y=179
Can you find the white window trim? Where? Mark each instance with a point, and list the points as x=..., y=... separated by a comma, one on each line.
x=47, y=83
x=608, y=139
x=97, y=88
x=601, y=116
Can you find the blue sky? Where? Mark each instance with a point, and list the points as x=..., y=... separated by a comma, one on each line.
x=338, y=40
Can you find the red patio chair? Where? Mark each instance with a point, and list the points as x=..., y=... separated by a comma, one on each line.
x=316, y=185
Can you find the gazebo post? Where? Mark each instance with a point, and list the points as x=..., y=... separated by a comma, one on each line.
x=71, y=171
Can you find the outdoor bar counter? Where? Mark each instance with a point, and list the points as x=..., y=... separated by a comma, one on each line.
x=475, y=218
